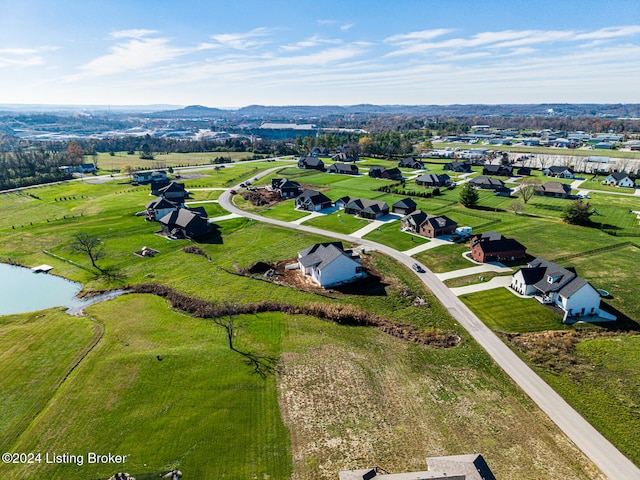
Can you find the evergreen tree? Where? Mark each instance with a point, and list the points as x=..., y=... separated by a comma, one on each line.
x=468, y=196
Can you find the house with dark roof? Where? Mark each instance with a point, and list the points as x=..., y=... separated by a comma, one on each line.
x=343, y=169
x=429, y=226
x=344, y=157
x=433, y=180
x=158, y=208
x=404, y=206
x=185, y=223
x=550, y=283
x=311, y=163
x=495, y=247
x=312, y=201
x=559, y=172
x=619, y=179
x=370, y=209
x=385, y=173
x=412, y=163
x=553, y=189
x=174, y=191
x=328, y=264
x=453, y=467
x=156, y=185
x=499, y=170
x=524, y=171
x=487, y=183
x=319, y=152
x=286, y=188
x=458, y=167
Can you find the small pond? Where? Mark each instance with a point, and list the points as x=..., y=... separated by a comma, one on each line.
x=21, y=291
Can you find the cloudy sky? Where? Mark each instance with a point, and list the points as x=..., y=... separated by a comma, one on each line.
x=322, y=52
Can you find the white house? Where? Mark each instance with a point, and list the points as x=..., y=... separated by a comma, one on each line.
x=327, y=264
x=160, y=207
x=559, y=172
x=551, y=284
x=619, y=179
x=149, y=175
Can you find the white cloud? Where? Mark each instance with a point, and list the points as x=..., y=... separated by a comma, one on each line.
x=347, y=27
x=314, y=41
x=136, y=54
x=243, y=41
x=136, y=33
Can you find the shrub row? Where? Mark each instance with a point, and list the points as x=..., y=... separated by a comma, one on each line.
x=338, y=313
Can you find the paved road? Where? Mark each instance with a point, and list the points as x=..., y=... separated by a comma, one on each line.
x=601, y=452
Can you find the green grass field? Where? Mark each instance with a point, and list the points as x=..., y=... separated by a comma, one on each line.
x=456, y=388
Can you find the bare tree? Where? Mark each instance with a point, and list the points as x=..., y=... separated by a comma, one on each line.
x=229, y=324
x=516, y=207
x=90, y=245
x=528, y=188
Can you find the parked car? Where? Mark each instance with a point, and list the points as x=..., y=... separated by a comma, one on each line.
x=417, y=268
x=456, y=238
x=232, y=192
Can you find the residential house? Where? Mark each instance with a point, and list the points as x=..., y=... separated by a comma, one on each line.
x=185, y=223
x=319, y=152
x=158, y=208
x=492, y=246
x=453, y=467
x=328, y=264
x=311, y=163
x=146, y=176
x=412, y=163
x=458, y=167
x=343, y=169
x=604, y=146
x=553, y=189
x=86, y=168
x=370, y=209
x=524, y=171
x=174, y=191
x=344, y=157
x=559, y=172
x=312, y=201
x=385, y=173
x=157, y=185
x=342, y=201
x=429, y=226
x=286, y=188
x=433, y=180
x=487, y=183
x=404, y=206
x=500, y=170
x=620, y=179
x=549, y=283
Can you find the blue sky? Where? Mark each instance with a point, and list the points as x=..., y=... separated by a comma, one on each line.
x=232, y=54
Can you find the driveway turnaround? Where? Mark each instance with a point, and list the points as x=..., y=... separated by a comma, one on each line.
x=592, y=443
x=477, y=270
x=495, y=282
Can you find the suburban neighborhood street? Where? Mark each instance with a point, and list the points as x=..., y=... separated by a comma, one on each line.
x=603, y=454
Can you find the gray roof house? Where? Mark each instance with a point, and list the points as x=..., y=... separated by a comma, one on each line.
x=433, y=180
x=343, y=168
x=404, y=206
x=553, y=189
x=559, y=172
x=619, y=179
x=365, y=208
x=311, y=163
x=328, y=264
x=312, y=201
x=185, y=223
x=453, y=467
x=385, y=173
x=550, y=283
x=158, y=208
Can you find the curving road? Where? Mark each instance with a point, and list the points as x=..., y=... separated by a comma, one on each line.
x=597, y=448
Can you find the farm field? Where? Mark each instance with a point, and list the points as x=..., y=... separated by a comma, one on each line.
x=454, y=386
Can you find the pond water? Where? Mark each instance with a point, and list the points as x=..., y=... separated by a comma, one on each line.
x=21, y=291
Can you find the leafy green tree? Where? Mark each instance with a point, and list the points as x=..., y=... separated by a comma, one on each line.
x=578, y=213
x=468, y=196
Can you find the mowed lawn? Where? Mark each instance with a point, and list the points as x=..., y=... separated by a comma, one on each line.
x=37, y=351
x=165, y=390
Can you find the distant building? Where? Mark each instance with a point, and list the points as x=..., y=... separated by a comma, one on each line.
x=619, y=179
x=559, y=172
x=553, y=189
x=385, y=173
x=411, y=162
x=86, y=168
x=146, y=176
x=311, y=163
x=343, y=169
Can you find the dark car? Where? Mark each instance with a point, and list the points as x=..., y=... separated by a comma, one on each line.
x=417, y=268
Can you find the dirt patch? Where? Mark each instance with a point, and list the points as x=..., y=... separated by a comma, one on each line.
x=261, y=197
